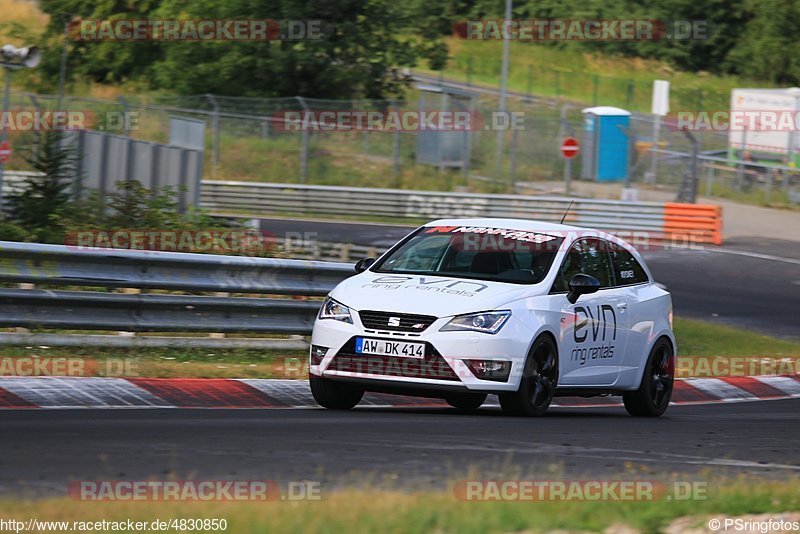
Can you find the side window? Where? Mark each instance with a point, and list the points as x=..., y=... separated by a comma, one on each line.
x=587, y=256
x=627, y=270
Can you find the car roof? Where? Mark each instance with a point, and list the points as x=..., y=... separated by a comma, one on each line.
x=526, y=225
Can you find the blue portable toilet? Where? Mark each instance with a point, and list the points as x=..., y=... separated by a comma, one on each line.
x=606, y=144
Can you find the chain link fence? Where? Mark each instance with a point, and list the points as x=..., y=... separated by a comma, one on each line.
x=246, y=140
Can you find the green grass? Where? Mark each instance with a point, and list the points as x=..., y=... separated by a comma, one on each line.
x=702, y=338
x=365, y=510
x=171, y=362
x=576, y=74
x=695, y=339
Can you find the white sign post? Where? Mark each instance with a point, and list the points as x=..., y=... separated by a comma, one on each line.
x=660, y=107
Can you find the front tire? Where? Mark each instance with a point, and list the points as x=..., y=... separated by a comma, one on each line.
x=334, y=395
x=466, y=402
x=538, y=383
x=654, y=393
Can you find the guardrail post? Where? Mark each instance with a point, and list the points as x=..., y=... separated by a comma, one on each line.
x=768, y=187
x=23, y=285
x=344, y=252
x=740, y=167
x=219, y=335
x=128, y=291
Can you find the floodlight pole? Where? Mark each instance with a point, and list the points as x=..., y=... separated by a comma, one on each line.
x=501, y=108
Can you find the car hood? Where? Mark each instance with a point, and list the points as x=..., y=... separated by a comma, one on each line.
x=426, y=294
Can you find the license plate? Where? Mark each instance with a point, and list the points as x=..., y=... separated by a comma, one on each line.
x=383, y=347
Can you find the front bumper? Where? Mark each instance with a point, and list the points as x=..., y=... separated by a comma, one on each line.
x=442, y=368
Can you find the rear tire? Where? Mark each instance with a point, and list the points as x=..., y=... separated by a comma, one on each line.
x=334, y=395
x=538, y=383
x=654, y=393
x=467, y=402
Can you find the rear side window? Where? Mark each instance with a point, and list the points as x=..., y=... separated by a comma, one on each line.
x=587, y=256
x=627, y=270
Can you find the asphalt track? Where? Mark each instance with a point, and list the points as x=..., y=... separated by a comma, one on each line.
x=41, y=450
x=748, y=283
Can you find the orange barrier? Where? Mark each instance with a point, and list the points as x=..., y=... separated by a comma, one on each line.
x=696, y=223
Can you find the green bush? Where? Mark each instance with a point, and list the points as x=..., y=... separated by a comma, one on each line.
x=12, y=232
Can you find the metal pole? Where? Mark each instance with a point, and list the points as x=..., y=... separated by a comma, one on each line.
x=567, y=175
x=530, y=82
x=501, y=108
x=513, y=169
x=695, y=151
x=654, y=148
x=4, y=134
x=790, y=160
x=740, y=167
x=214, y=135
x=62, y=71
x=303, y=146
x=125, y=112
x=395, y=149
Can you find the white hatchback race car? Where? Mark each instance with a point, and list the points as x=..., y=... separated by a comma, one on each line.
x=461, y=308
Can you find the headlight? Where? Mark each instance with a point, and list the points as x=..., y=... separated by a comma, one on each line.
x=335, y=310
x=486, y=322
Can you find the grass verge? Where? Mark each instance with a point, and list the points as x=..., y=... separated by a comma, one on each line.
x=361, y=510
x=696, y=339
x=574, y=73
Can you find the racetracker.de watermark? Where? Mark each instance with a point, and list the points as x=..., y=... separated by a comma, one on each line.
x=193, y=490
x=348, y=120
x=199, y=30
x=579, y=490
x=751, y=120
x=44, y=121
x=214, y=241
x=67, y=366
x=722, y=366
x=583, y=29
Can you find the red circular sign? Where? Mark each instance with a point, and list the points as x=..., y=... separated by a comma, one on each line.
x=5, y=152
x=569, y=147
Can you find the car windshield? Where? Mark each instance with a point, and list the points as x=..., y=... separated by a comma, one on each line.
x=498, y=254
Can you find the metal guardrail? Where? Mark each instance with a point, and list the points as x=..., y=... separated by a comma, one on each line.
x=109, y=268
x=36, y=308
x=56, y=265
x=258, y=199
x=261, y=198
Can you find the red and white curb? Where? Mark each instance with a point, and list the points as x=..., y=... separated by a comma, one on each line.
x=57, y=392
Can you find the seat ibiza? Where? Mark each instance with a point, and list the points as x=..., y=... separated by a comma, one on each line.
x=463, y=308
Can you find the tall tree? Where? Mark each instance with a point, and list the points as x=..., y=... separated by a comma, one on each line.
x=365, y=44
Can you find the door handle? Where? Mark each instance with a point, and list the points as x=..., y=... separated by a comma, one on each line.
x=622, y=306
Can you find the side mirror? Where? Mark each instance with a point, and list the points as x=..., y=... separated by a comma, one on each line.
x=364, y=264
x=582, y=284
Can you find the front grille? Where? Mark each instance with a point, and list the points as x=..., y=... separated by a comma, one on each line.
x=396, y=322
x=431, y=366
